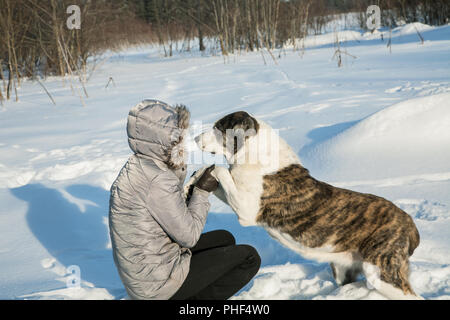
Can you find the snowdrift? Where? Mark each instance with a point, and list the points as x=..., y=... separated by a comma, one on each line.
x=409, y=139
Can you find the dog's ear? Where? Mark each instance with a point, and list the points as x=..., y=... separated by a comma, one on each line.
x=238, y=120
x=242, y=120
x=249, y=125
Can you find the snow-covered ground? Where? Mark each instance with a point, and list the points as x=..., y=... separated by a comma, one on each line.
x=379, y=124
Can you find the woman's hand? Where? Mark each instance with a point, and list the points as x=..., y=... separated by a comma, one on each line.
x=207, y=181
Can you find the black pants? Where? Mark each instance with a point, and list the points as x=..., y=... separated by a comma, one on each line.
x=219, y=268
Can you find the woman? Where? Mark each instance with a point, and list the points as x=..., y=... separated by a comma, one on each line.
x=157, y=244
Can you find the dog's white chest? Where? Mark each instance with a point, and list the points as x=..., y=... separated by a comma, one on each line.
x=247, y=180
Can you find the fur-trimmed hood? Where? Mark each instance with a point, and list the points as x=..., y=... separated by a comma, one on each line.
x=156, y=130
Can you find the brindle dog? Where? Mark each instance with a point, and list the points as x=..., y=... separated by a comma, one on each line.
x=353, y=231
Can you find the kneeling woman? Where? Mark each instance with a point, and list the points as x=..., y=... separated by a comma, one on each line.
x=158, y=247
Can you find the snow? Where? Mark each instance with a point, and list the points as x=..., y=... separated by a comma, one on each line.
x=386, y=144
x=380, y=124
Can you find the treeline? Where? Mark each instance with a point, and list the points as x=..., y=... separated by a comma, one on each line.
x=35, y=41
x=256, y=24
x=236, y=24
x=431, y=12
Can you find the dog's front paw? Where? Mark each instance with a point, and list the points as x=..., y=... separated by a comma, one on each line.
x=192, y=181
x=221, y=174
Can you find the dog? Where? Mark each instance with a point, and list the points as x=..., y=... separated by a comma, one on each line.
x=354, y=232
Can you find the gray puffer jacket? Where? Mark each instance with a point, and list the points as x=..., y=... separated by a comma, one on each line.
x=151, y=227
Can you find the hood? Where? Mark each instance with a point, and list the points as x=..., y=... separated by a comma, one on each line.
x=156, y=130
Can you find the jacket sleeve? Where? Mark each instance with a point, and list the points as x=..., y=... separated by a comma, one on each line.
x=166, y=204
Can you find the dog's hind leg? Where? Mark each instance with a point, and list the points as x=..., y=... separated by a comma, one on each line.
x=390, y=280
x=345, y=274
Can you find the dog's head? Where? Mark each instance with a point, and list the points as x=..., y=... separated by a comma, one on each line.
x=229, y=135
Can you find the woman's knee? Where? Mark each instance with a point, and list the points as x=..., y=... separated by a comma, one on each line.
x=225, y=237
x=252, y=259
